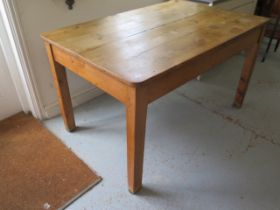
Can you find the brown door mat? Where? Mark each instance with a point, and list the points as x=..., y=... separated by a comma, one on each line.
x=36, y=170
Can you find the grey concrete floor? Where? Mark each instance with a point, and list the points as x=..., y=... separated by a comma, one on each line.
x=200, y=152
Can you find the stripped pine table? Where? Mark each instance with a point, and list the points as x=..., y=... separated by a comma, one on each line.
x=143, y=54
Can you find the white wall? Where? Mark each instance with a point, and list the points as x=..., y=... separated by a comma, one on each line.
x=9, y=102
x=38, y=16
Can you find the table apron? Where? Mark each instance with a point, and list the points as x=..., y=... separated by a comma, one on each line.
x=154, y=88
x=174, y=78
x=99, y=78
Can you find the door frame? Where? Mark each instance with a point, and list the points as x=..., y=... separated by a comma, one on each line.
x=19, y=65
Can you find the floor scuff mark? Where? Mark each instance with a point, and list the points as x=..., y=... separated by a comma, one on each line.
x=252, y=143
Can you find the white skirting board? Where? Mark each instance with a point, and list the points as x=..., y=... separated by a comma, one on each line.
x=53, y=110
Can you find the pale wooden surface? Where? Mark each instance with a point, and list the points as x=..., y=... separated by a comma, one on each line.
x=138, y=45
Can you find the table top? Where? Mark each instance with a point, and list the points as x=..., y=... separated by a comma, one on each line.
x=142, y=44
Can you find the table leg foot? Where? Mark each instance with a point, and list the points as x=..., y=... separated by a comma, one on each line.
x=135, y=190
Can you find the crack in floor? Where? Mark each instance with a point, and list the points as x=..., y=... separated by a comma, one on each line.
x=236, y=122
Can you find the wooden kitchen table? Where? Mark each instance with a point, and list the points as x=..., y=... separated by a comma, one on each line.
x=143, y=54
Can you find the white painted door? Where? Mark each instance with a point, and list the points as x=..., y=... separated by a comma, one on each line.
x=9, y=103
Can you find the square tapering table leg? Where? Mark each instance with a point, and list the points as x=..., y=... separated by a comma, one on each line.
x=62, y=88
x=136, y=112
x=248, y=67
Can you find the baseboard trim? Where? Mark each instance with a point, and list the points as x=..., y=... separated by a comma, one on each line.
x=79, y=98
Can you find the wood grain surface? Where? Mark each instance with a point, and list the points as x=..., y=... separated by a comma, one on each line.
x=138, y=45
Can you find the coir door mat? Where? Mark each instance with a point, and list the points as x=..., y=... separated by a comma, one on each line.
x=36, y=170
